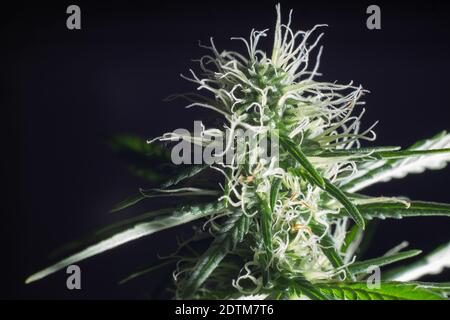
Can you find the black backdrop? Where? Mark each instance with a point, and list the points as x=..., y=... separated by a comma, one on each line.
x=63, y=91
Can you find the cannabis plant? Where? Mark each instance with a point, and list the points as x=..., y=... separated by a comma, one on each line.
x=291, y=224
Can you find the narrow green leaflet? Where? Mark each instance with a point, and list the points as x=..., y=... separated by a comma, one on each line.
x=109, y=230
x=128, y=144
x=145, y=160
x=350, y=237
x=336, y=193
x=442, y=288
x=351, y=209
x=367, y=237
x=128, y=202
x=130, y=230
x=361, y=266
x=183, y=173
x=266, y=229
x=401, y=154
x=266, y=219
x=150, y=173
x=152, y=161
x=187, y=247
x=386, y=291
x=357, y=241
x=146, y=271
x=385, y=170
x=295, y=152
x=160, y=193
x=364, y=150
x=327, y=245
x=232, y=232
x=398, y=210
x=360, y=155
x=433, y=263
x=274, y=190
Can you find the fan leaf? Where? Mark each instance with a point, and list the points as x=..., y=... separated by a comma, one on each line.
x=266, y=229
x=398, y=210
x=327, y=245
x=161, y=193
x=298, y=155
x=361, y=266
x=231, y=234
x=386, y=291
x=365, y=155
x=351, y=209
x=433, y=263
x=385, y=170
x=336, y=193
x=183, y=173
x=132, y=229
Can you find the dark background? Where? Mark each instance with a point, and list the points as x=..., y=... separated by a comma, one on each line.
x=63, y=92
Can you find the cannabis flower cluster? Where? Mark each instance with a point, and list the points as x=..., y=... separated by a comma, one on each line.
x=288, y=224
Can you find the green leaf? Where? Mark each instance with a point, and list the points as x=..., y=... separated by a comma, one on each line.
x=364, y=154
x=150, y=174
x=433, y=263
x=295, y=152
x=385, y=170
x=231, y=233
x=160, y=193
x=299, y=287
x=401, y=154
x=335, y=192
x=360, y=154
x=128, y=202
x=350, y=208
x=398, y=210
x=274, y=190
x=174, y=174
x=357, y=241
x=134, y=145
x=132, y=229
x=367, y=237
x=266, y=229
x=183, y=173
x=186, y=248
x=442, y=288
x=310, y=147
x=266, y=224
x=109, y=231
x=386, y=291
x=353, y=234
x=327, y=245
x=146, y=271
x=361, y=266
x=144, y=159
x=310, y=291
x=152, y=160
x=364, y=150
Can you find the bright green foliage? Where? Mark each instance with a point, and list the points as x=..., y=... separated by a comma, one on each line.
x=386, y=291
